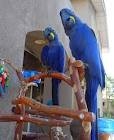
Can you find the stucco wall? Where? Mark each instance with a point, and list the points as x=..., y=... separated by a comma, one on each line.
x=86, y=12
x=16, y=19
x=81, y=8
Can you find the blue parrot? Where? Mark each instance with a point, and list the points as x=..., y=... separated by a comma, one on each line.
x=53, y=56
x=84, y=46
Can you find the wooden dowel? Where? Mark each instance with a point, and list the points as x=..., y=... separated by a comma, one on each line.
x=81, y=115
x=37, y=121
x=51, y=75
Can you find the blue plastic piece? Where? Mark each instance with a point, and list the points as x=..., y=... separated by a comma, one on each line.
x=49, y=102
x=30, y=73
x=105, y=125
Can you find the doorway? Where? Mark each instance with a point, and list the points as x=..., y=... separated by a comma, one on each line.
x=31, y=64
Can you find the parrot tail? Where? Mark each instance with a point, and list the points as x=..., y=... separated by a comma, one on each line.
x=91, y=100
x=55, y=91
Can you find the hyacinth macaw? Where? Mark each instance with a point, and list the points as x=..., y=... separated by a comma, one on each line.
x=84, y=46
x=53, y=56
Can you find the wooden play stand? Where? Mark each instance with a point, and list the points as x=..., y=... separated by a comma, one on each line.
x=52, y=116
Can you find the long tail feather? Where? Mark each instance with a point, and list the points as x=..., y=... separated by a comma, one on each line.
x=55, y=91
x=91, y=99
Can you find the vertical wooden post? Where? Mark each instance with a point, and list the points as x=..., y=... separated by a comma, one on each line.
x=73, y=68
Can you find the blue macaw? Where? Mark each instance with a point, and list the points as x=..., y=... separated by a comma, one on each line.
x=84, y=46
x=53, y=56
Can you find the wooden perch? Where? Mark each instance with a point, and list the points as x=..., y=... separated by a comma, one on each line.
x=75, y=68
x=77, y=72
x=38, y=121
x=81, y=115
x=79, y=65
x=51, y=75
x=17, y=110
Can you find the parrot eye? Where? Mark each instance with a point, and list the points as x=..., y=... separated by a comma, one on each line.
x=68, y=19
x=51, y=36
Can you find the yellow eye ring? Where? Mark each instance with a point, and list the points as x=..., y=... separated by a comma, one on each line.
x=71, y=17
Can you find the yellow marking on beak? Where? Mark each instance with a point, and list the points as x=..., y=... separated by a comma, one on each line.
x=52, y=34
x=71, y=17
